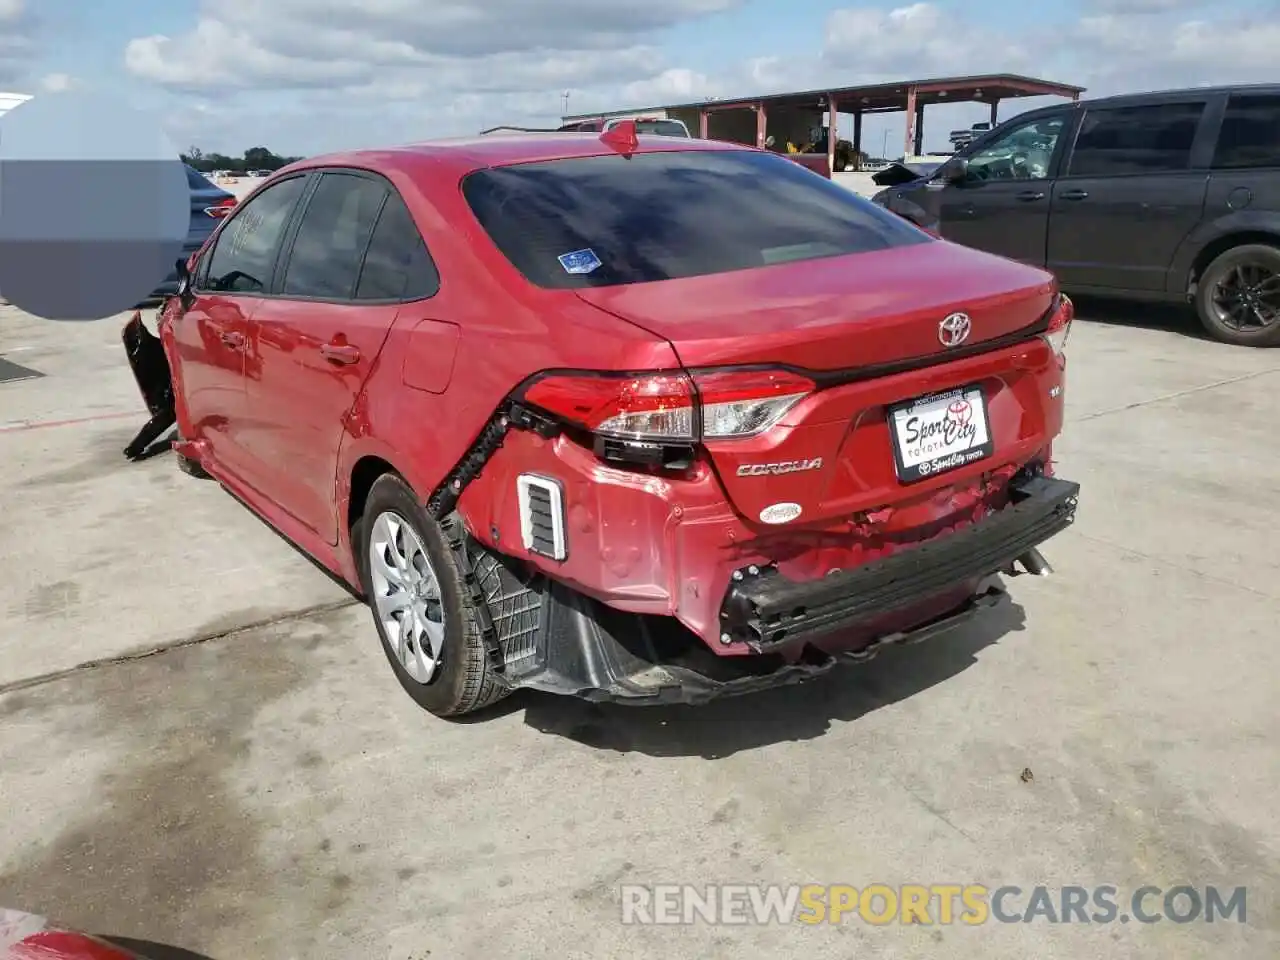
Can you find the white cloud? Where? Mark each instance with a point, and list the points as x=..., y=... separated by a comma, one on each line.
x=17, y=46
x=58, y=82
x=344, y=72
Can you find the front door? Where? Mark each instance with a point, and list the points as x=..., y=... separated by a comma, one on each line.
x=1128, y=196
x=1002, y=206
x=212, y=338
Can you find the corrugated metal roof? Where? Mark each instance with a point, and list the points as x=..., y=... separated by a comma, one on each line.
x=996, y=85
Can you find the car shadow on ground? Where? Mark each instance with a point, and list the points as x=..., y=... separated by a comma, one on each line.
x=1174, y=317
x=801, y=712
x=153, y=951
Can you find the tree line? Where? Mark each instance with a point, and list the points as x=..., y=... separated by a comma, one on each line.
x=255, y=158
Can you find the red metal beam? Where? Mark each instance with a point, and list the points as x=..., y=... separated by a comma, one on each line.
x=909, y=140
x=702, y=124
x=833, y=132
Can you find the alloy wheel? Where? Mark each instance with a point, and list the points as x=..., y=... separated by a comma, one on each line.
x=406, y=596
x=1247, y=297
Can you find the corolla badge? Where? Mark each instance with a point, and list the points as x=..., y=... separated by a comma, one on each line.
x=954, y=329
x=780, y=513
x=779, y=468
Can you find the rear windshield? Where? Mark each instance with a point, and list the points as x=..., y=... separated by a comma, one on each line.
x=662, y=128
x=608, y=220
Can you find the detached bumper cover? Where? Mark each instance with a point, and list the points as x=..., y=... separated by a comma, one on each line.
x=769, y=610
x=587, y=650
x=549, y=637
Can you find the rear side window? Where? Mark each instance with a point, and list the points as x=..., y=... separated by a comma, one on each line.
x=1250, y=135
x=244, y=259
x=1156, y=138
x=333, y=234
x=397, y=266
x=601, y=221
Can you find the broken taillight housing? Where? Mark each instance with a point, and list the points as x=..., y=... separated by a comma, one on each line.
x=672, y=407
x=1060, y=325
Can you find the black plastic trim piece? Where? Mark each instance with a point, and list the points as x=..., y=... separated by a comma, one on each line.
x=588, y=650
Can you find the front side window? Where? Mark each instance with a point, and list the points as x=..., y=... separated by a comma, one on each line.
x=333, y=234
x=245, y=255
x=1250, y=135
x=1155, y=138
x=1024, y=152
x=601, y=221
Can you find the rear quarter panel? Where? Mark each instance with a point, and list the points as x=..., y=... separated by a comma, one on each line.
x=1256, y=221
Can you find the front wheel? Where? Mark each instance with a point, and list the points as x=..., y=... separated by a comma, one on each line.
x=1238, y=296
x=423, y=612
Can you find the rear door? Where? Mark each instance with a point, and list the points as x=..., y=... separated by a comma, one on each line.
x=315, y=344
x=1003, y=205
x=212, y=338
x=1131, y=190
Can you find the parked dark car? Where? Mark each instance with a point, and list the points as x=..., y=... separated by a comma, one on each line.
x=209, y=205
x=1156, y=196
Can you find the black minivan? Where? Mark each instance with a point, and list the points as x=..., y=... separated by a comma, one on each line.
x=1154, y=196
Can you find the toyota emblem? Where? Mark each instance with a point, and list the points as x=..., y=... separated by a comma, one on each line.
x=954, y=329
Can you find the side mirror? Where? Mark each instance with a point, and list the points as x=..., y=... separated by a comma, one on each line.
x=186, y=296
x=957, y=171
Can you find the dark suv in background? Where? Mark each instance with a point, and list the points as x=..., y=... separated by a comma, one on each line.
x=1156, y=196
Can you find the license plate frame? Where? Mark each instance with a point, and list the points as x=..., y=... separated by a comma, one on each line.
x=898, y=415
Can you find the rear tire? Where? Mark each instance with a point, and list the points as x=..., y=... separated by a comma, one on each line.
x=1225, y=289
x=445, y=667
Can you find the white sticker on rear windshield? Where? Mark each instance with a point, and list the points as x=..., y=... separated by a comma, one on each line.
x=580, y=261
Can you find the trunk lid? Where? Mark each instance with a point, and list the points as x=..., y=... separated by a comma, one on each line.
x=844, y=451
x=836, y=313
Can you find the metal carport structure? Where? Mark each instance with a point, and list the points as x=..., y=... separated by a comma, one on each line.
x=911, y=96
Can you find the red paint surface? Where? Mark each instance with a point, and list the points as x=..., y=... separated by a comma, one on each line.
x=285, y=430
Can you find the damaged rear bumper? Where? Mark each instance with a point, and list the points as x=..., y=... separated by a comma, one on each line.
x=578, y=646
x=601, y=655
x=767, y=610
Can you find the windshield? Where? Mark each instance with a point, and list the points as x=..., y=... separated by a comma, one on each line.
x=601, y=221
x=1024, y=152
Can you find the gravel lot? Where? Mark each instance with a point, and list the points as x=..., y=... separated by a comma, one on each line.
x=201, y=744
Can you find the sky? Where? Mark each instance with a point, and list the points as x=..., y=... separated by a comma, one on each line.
x=302, y=77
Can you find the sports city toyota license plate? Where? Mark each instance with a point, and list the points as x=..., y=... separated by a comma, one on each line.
x=940, y=432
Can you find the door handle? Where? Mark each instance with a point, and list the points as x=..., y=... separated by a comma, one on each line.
x=232, y=339
x=1074, y=195
x=1027, y=196
x=340, y=353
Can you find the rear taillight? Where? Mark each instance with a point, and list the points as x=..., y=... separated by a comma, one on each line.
x=672, y=407
x=1060, y=325
x=222, y=208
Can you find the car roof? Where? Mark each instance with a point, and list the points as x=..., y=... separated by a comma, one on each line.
x=1152, y=96
x=465, y=155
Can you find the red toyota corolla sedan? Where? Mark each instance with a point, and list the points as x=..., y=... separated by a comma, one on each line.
x=634, y=419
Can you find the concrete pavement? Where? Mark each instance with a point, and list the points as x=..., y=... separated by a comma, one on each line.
x=261, y=787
